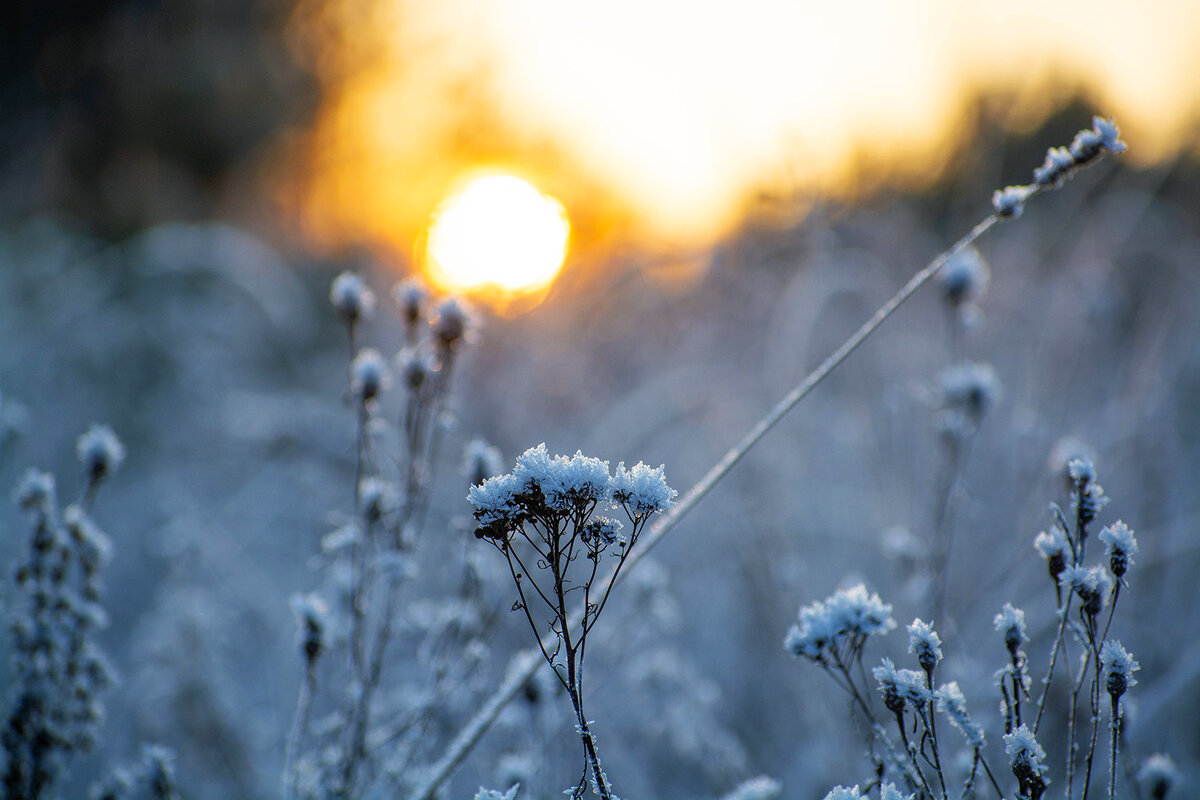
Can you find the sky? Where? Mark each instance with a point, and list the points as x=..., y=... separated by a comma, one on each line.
x=659, y=120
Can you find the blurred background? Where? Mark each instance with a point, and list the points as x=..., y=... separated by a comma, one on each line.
x=181, y=179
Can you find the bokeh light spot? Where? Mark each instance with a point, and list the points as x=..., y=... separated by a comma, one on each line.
x=498, y=232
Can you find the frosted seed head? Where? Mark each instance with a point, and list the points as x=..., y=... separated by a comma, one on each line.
x=453, y=322
x=410, y=298
x=35, y=490
x=368, y=375
x=642, y=489
x=925, y=644
x=1118, y=666
x=1009, y=202
x=965, y=278
x=1158, y=775
x=352, y=298
x=844, y=793
x=481, y=461
x=1120, y=545
x=1011, y=622
x=100, y=452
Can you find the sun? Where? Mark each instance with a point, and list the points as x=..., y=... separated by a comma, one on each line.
x=500, y=233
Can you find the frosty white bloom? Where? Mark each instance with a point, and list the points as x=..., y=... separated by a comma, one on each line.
x=924, y=642
x=36, y=488
x=760, y=788
x=377, y=498
x=100, y=451
x=888, y=791
x=454, y=321
x=1081, y=470
x=1158, y=776
x=1025, y=755
x=1118, y=666
x=844, y=793
x=352, y=298
x=580, y=479
x=965, y=277
x=642, y=490
x=1120, y=546
x=855, y=611
x=950, y=701
x=971, y=388
x=368, y=374
x=1009, y=202
x=1011, y=622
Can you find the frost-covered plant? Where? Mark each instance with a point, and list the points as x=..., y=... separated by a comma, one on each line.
x=544, y=518
x=341, y=755
x=60, y=671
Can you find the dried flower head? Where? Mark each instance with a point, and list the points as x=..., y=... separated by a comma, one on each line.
x=453, y=322
x=1158, y=775
x=925, y=644
x=1011, y=622
x=100, y=452
x=368, y=375
x=1025, y=757
x=965, y=277
x=352, y=298
x=410, y=298
x=950, y=701
x=1118, y=668
x=1120, y=546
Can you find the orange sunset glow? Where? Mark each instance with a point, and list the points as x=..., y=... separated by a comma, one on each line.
x=657, y=121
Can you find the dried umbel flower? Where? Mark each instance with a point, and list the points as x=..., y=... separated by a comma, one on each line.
x=100, y=452
x=845, y=618
x=352, y=298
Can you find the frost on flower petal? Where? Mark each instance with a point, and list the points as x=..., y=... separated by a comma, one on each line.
x=584, y=478
x=1110, y=137
x=1052, y=544
x=855, y=611
x=642, y=490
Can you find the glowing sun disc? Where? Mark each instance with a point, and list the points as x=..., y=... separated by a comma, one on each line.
x=497, y=232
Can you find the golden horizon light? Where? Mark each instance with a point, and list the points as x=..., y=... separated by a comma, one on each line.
x=498, y=234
